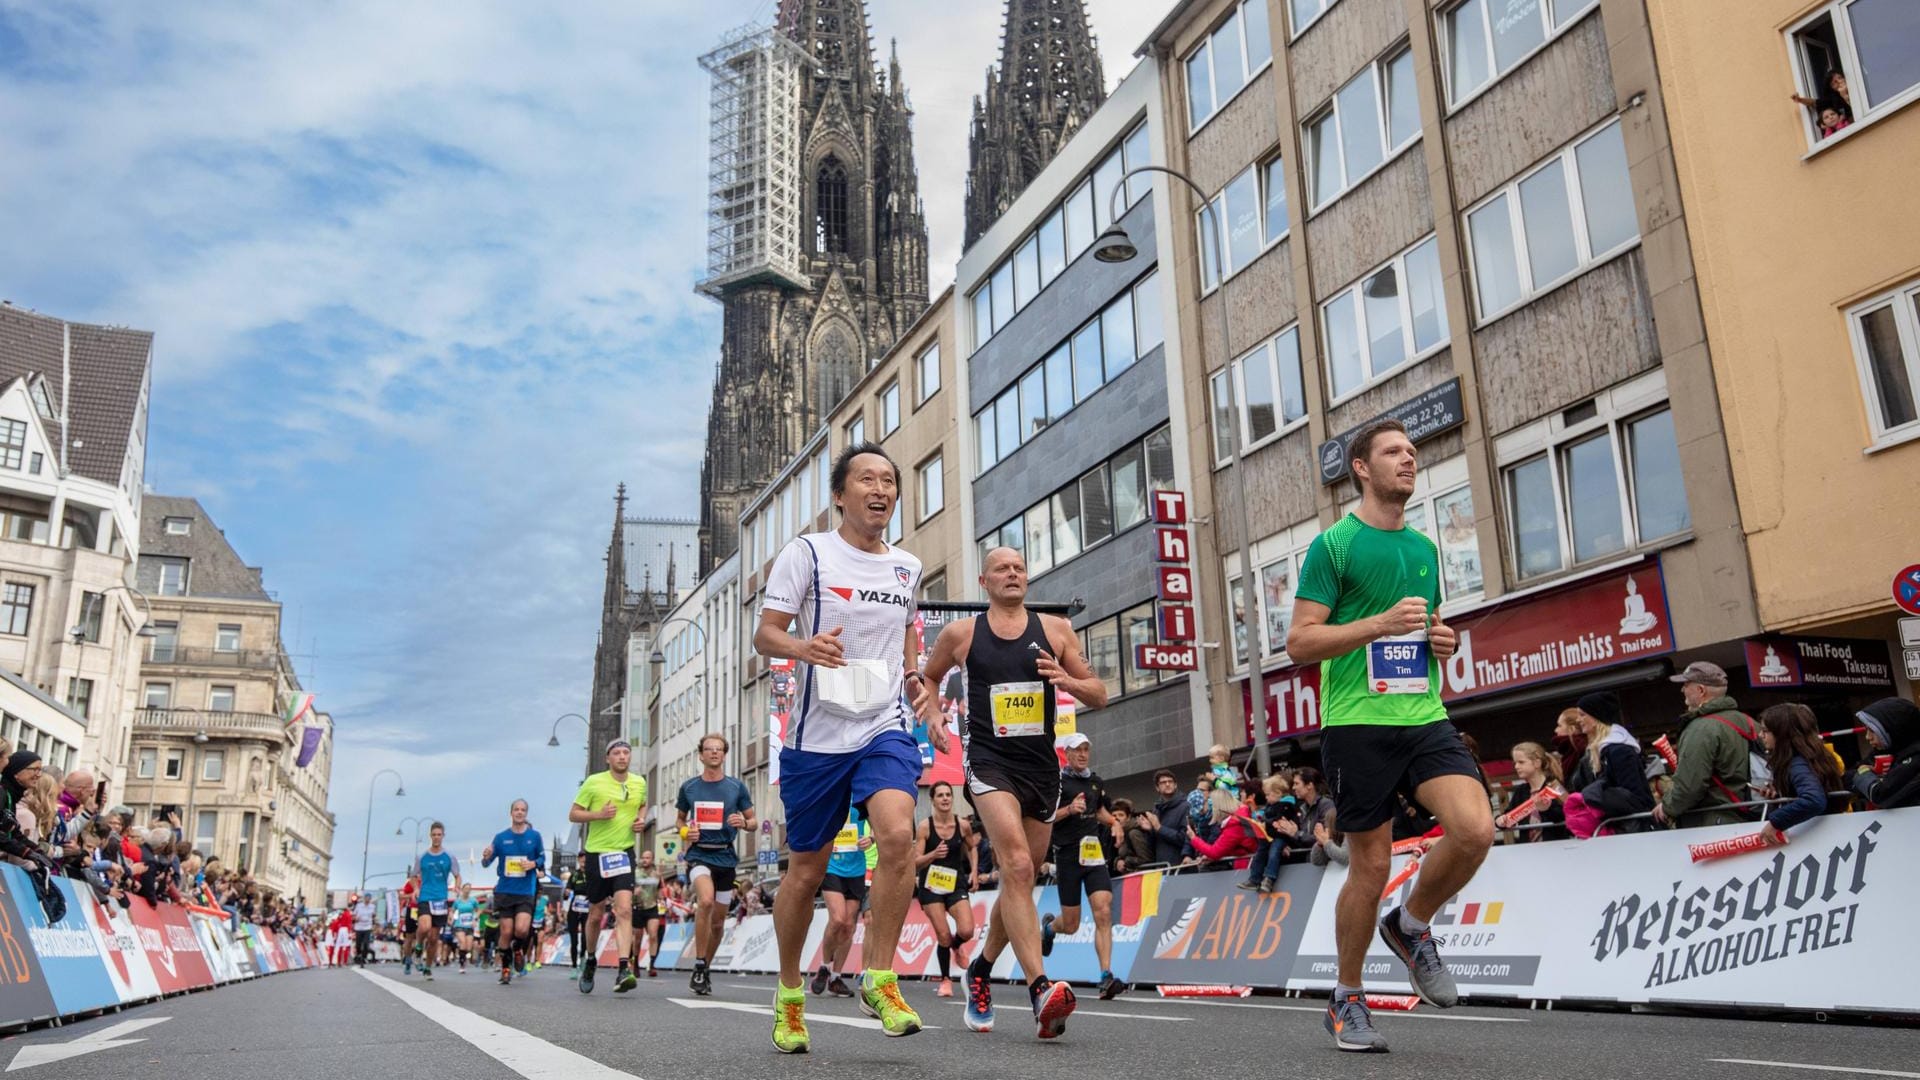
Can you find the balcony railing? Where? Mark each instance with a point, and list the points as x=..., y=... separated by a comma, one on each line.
x=250, y=724
x=201, y=656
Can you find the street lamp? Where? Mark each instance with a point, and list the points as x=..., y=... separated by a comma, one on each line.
x=418, y=822
x=1114, y=246
x=145, y=629
x=553, y=739
x=400, y=789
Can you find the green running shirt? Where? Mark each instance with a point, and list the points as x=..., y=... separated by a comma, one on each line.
x=1359, y=571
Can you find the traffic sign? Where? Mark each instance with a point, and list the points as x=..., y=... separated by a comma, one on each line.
x=1910, y=633
x=1913, y=662
x=1906, y=589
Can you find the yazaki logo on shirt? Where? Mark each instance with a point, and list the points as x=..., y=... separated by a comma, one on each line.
x=871, y=596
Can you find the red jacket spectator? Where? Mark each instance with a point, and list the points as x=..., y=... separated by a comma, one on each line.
x=1237, y=837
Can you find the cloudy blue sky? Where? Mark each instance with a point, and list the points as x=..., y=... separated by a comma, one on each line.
x=420, y=279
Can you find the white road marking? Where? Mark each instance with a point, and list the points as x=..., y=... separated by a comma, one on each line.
x=812, y=1017
x=532, y=1057
x=90, y=1043
x=1378, y=1014
x=1816, y=1068
x=1134, y=1016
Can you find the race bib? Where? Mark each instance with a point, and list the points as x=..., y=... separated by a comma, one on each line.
x=1019, y=709
x=860, y=686
x=615, y=862
x=580, y=903
x=1400, y=665
x=1090, y=854
x=463, y=921
x=436, y=908
x=846, y=840
x=942, y=879
x=518, y=867
x=709, y=815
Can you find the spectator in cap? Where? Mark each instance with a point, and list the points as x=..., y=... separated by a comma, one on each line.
x=1893, y=727
x=1608, y=782
x=1716, y=749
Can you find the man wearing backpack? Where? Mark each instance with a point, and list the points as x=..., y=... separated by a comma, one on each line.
x=1715, y=748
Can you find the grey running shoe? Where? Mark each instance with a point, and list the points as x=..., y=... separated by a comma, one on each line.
x=1422, y=957
x=1351, y=1026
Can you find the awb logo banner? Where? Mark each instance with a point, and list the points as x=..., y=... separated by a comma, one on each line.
x=1208, y=931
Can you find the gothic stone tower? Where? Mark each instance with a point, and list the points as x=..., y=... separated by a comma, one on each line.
x=791, y=348
x=1048, y=83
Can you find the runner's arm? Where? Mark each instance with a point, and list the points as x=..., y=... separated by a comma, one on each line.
x=1312, y=639
x=923, y=857
x=973, y=852
x=1076, y=677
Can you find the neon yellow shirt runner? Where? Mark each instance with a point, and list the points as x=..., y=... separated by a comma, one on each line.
x=616, y=833
x=1359, y=571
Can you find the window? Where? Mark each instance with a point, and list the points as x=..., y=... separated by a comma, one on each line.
x=13, y=442
x=1886, y=345
x=220, y=699
x=42, y=402
x=1263, y=391
x=1305, y=12
x=1026, y=272
x=1869, y=47
x=172, y=575
x=179, y=526
x=159, y=695
x=1387, y=318
x=1569, y=213
x=1596, y=487
x=1137, y=627
x=1370, y=119
x=227, y=638
x=1479, y=49
x=1136, y=152
x=1147, y=331
x=93, y=606
x=213, y=764
x=890, y=409
x=985, y=440
x=896, y=524
x=206, y=823
x=830, y=208
x=16, y=608
x=1098, y=505
x=927, y=367
x=1240, y=207
x=1227, y=60
x=1002, y=284
x=934, y=588
x=245, y=860
x=1033, y=402
x=146, y=760
x=1053, y=245
x=857, y=431
x=1103, y=654
x=80, y=697
x=1129, y=491
x=174, y=766
x=1273, y=204
x=932, y=487
x=36, y=461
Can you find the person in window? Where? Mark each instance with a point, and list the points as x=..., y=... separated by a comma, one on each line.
x=1893, y=778
x=1833, y=98
x=1804, y=770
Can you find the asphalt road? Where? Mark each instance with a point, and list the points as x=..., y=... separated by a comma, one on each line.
x=344, y=1025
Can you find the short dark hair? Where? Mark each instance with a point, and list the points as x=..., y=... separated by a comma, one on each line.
x=844, y=464
x=1310, y=775
x=710, y=737
x=937, y=785
x=1123, y=806
x=1166, y=774
x=1362, y=444
x=437, y=825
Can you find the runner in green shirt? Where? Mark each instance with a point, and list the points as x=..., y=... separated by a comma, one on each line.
x=1367, y=608
x=612, y=806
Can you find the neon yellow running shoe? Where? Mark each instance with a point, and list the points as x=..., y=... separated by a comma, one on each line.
x=790, y=1019
x=880, y=998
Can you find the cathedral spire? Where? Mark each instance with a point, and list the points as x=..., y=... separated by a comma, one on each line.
x=1049, y=81
x=617, y=553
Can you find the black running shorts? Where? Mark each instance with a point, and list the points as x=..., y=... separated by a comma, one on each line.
x=1368, y=764
x=1038, y=791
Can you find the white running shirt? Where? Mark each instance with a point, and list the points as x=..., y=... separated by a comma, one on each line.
x=825, y=582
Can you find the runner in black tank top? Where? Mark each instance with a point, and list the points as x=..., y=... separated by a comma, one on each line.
x=1013, y=777
x=946, y=862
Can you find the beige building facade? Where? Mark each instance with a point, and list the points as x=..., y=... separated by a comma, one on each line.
x=210, y=739
x=1469, y=216
x=1811, y=275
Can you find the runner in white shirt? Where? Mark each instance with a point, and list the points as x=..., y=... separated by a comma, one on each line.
x=850, y=595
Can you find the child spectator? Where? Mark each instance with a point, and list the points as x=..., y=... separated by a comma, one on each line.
x=1537, y=770
x=1270, y=847
x=1803, y=769
x=1219, y=764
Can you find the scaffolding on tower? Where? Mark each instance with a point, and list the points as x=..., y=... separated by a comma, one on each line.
x=753, y=162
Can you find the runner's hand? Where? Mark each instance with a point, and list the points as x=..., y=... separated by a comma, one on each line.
x=926, y=702
x=866, y=842
x=1048, y=667
x=736, y=820
x=940, y=851
x=607, y=812
x=486, y=854
x=824, y=649
x=937, y=733
x=1443, y=638
x=1405, y=617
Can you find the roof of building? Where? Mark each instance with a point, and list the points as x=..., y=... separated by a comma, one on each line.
x=216, y=569
x=109, y=367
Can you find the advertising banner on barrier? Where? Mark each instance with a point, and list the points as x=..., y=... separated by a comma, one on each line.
x=127, y=963
x=265, y=947
x=24, y=993
x=151, y=932
x=217, y=947
x=69, y=954
x=184, y=944
x=1209, y=930
x=1137, y=898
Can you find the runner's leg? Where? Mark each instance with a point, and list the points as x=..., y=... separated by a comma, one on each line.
x=942, y=937
x=1102, y=905
x=890, y=813
x=708, y=920
x=962, y=912
x=1459, y=803
x=842, y=912
x=793, y=908
x=1370, y=854
x=623, y=921
x=1015, y=919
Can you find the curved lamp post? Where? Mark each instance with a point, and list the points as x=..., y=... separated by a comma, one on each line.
x=399, y=789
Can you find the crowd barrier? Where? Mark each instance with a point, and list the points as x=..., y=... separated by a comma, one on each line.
x=100, y=956
x=1814, y=925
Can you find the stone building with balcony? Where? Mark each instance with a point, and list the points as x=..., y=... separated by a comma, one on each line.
x=210, y=739
x=73, y=421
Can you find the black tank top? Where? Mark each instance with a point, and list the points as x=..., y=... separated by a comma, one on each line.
x=1009, y=706
x=956, y=856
